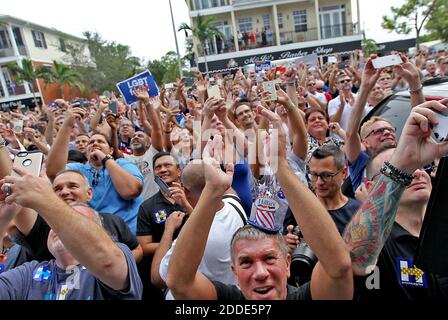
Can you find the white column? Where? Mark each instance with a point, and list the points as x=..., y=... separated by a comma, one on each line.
x=13, y=41
x=235, y=35
x=3, y=83
x=316, y=7
x=17, y=55
x=277, y=29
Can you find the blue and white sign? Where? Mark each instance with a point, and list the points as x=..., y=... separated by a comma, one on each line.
x=262, y=65
x=145, y=79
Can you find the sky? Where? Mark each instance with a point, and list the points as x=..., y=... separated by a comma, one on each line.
x=145, y=25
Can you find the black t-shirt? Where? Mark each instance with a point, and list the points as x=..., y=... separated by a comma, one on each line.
x=399, y=280
x=227, y=292
x=152, y=215
x=343, y=215
x=36, y=240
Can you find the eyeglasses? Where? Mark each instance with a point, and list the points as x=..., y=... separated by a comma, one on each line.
x=345, y=80
x=382, y=79
x=324, y=176
x=320, y=89
x=380, y=131
x=311, y=83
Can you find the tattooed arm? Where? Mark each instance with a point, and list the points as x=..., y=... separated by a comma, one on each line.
x=366, y=234
x=369, y=229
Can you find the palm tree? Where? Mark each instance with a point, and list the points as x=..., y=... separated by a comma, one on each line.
x=64, y=75
x=203, y=31
x=29, y=74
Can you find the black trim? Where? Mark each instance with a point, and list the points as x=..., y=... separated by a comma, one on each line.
x=231, y=196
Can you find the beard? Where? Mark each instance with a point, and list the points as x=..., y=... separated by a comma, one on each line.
x=139, y=146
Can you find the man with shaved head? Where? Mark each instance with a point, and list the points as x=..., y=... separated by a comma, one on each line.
x=216, y=262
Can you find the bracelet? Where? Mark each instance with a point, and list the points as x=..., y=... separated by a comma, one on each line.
x=292, y=82
x=416, y=90
x=2, y=143
x=105, y=159
x=396, y=174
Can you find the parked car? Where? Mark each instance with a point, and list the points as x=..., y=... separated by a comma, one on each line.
x=397, y=107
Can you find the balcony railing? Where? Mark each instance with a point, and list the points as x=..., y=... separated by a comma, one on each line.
x=8, y=52
x=286, y=37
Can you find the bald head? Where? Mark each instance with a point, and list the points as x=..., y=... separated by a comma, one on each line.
x=193, y=178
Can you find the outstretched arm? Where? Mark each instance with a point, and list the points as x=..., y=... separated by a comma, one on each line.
x=332, y=277
x=84, y=239
x=183, y=277
x=353, y=145
x=369, y=229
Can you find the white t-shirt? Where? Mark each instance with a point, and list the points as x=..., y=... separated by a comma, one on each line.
x=319, y=96
x=216, y=262
x=333, y=107
x=144, y=164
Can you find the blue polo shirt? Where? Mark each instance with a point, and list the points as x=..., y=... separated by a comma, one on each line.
x=357, y=169
x=105, y=196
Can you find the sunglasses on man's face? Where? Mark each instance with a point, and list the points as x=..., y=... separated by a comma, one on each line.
x=345, y=80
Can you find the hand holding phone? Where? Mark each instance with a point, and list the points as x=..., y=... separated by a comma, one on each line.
x=113, y=106
x=18, y=126
x=162, y=185
x=270, y=86
x=386, y=61
x=214, y=92
x=441, y=130
x=31, y=162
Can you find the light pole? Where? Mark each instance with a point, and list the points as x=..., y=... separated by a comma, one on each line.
x=175, y=39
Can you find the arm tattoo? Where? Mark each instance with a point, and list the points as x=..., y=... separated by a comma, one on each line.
x=369, y=229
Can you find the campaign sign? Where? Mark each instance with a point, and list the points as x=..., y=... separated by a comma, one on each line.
x=262, y=65
x=145, y=79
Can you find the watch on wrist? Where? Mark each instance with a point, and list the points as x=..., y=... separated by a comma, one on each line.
x=107, y=157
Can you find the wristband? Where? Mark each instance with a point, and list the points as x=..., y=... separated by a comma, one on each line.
x=416, y=90
x=397, y=175
x=107, y=157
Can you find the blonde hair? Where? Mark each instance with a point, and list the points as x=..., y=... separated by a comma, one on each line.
x=367, y=124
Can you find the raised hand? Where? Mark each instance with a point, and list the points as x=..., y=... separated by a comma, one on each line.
x=215, y=178
x=416, y=148
x=141, y=94
x=408, y=71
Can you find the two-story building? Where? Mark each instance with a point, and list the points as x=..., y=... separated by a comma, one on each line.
x=257, y=30
x=20, y=39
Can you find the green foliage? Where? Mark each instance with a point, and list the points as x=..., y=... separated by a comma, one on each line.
x=412, y=15
x=369, y=46
x=438, y=23
x=64, y=75
x=166, y=69
x=29, y=74
x=109, y=64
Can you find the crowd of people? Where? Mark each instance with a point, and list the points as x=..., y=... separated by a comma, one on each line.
x=191, y=196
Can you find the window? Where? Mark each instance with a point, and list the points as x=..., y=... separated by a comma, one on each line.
x=280, y=20
x=62, y=45
x=17, y=36
x=300, y=24
x=266, y=20
x=245, y=24
x=39, y=39
x=4, y=39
